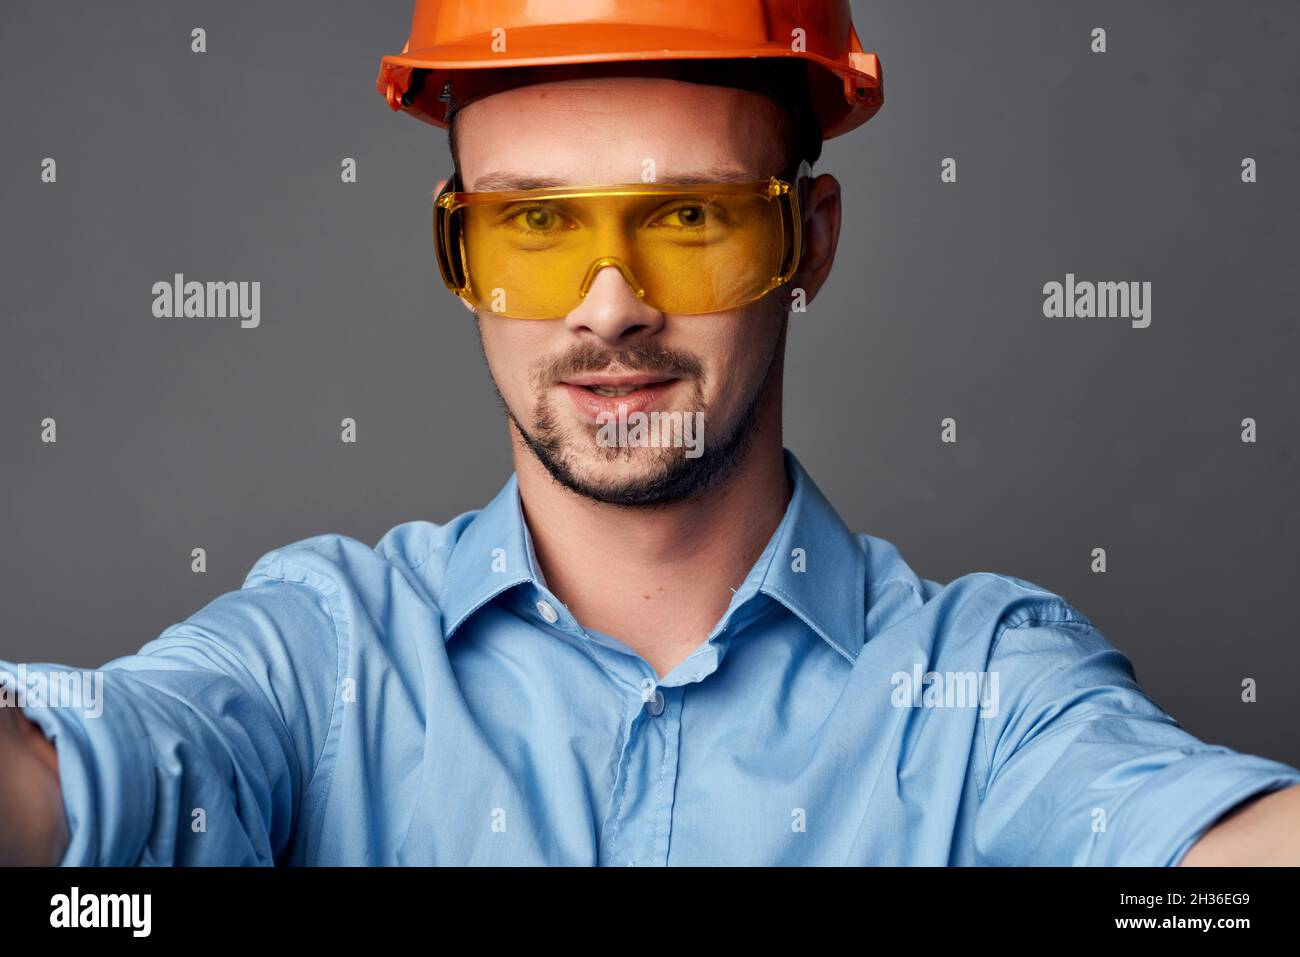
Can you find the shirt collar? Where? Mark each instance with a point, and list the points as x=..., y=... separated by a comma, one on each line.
x=812, y=565
x=492, y=554
x=815, y=567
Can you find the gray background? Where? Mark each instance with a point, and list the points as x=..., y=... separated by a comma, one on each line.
x=1072, y=434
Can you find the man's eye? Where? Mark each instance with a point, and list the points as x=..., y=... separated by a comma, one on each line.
x=537, y=219
x=685, y=217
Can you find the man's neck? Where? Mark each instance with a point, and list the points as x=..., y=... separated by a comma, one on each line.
x=657, y=579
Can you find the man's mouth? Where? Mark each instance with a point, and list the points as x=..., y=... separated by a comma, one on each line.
x=614, y=387
x=613, y=390
x=599, y=395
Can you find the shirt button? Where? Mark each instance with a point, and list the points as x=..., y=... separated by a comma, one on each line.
x=653, y=697
x=546, y=611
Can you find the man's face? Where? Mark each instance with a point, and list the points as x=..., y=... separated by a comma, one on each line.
x=614, y=355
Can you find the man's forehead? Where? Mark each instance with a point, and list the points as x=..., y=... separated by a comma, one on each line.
x=506, y=179
x=617, y=129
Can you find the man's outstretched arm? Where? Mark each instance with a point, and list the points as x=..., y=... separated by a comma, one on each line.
x=1081, y=767
x=33, y=829
x=1262, y=831
x=196, y=750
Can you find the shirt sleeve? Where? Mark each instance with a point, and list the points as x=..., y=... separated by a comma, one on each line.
x=1082, y=768
x=198, y=748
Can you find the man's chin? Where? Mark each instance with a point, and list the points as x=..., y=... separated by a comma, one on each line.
x=601, y=466
x=621, y=476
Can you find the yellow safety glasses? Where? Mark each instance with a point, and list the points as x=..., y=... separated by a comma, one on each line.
x=684, y=249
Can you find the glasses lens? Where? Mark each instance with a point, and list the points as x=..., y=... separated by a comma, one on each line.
x=685, y=252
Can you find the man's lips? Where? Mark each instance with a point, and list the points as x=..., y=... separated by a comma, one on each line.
x=619, y=382
x=640, y=393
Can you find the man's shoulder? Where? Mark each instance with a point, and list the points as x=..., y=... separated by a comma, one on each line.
x=333, y=561
x=977, y=606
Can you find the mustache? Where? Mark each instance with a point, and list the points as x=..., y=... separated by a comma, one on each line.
x=644, y=357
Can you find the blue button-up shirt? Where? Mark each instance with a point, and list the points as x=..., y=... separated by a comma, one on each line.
x=430, y=701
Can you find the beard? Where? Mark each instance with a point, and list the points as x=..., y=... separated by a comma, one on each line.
x=646, y=477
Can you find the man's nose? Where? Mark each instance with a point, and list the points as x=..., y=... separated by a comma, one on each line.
x=612, y=311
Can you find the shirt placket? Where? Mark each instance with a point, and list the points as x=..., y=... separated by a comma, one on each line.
x=638, y=826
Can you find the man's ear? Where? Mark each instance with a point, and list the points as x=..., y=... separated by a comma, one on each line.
x=821, y=234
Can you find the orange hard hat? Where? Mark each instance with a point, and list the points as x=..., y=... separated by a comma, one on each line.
x=454, y=40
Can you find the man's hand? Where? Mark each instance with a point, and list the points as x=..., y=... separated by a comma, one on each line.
x=1263, y=831
x=33, y=829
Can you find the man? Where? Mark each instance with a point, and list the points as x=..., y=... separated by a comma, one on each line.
x=658, y=644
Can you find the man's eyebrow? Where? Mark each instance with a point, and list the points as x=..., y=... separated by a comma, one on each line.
x=509, y=180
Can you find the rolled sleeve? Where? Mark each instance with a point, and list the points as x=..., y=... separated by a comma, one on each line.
x=204, y=742
x=105, y=764
x=1081, y=767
